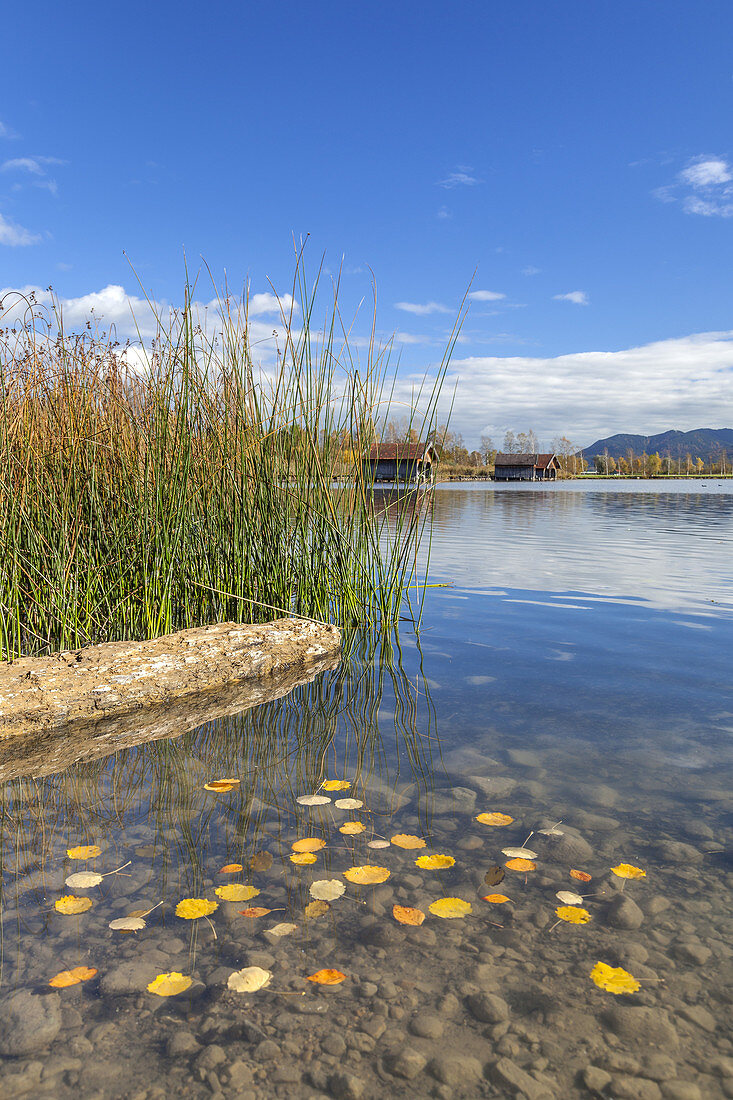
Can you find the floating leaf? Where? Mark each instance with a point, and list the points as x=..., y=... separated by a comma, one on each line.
x=313, y=800
x=494, y=875
x=614, y=978
x=327, y=889
x=302, y=859
x=261, y=861
x=519, y=853
x=249, y=979
x=168, y=985
x=450, y=908
x=231, y=869
x=434, y=863
x=349, y=803
x=352, y=828
x=554, y=831
x=404, y=840
x=581, y=876
x=568, y=897
x=335, y=785
x=572, y=914
x=235, y=891
x=191, y=908
x=127, y=924
x=83, y=880
x=496, y=899
x=367, y=875
x=219, y=786
x=378, y=844
x=315, y=909
x=309, y=844
x=255, y=911
x=627, y=870
x=71, y=905
x=84, y=851
x=326, y=977
x=282, y=930
x=495, y=819
x=521, y=865
x=65, y=978
x=405, y=915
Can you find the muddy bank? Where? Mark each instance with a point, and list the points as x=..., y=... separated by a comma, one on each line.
x=44, y=695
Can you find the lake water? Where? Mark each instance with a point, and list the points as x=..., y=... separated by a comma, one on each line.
x=576, y=670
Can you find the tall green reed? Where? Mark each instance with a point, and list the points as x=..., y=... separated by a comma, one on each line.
x=196, y=484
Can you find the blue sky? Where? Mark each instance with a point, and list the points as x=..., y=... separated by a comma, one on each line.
x=577, y=157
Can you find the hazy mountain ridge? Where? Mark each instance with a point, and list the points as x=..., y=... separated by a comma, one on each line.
x=704, y=443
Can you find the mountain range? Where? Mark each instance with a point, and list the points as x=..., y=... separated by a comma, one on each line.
x=704, y=443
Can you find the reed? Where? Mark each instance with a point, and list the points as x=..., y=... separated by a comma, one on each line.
x=196, y=484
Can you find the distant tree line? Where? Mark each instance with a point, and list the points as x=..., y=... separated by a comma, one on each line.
x=656, y=465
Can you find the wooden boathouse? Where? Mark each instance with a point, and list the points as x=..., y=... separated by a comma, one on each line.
x=400, y=462
x=534, y=467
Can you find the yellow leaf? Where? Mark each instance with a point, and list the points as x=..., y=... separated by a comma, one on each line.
x=614, y=978
x=84, y=851
x=235, y=891
x=65, y=978
x=327, y=977
x=495, y=819
x=450, y=908
x=316, y=909
x=352, y=828
x=191, y=908
x=302, y=859
x=405, y=915
x=309, y=844
x=366, y=875
x=168, y=985
x=520, y=865
x=231, y=869
x=219, y=786
x=434, y=863
x=249, y=980
x=255, y=911
x=496, y=899
x=627, y=870
x=404, y=840
x=336, y=785
x=71, y=905
x=573, y=914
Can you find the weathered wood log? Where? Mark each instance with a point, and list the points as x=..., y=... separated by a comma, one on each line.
x=108, y=681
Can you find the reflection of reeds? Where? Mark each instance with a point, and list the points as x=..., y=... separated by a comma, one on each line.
x=329, y=727
x=199, y=488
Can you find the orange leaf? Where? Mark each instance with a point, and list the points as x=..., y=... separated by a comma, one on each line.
x=231, y=869
x=582, y=876
x=327, y=977
x=405, y=915
x=255, y=911
x=520, y=865
x=405, y=840
x=309, y=844
x=496, y=899
x=219, y=786
x=66, y=978
x=495, y=819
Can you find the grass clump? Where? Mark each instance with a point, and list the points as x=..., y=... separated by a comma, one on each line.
x=189, y=484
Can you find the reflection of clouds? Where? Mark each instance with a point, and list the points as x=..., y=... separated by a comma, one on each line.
x=664, y=544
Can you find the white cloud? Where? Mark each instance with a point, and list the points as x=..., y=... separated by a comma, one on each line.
x=531, y=270
x=35, y=165
x=578, y=297
x=706, y=173
x=262, y=304
x=485, y=296
x=680, y=383
x=14, y=235
x=704, y=187
x=423, y=309
x=461, y=176
x=444, y=213
x=5, y=131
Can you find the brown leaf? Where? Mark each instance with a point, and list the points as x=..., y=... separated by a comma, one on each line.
x=261, y=861
x=316, y=909
x=494, y=875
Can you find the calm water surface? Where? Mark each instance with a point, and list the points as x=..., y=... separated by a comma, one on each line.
x=576, y=670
